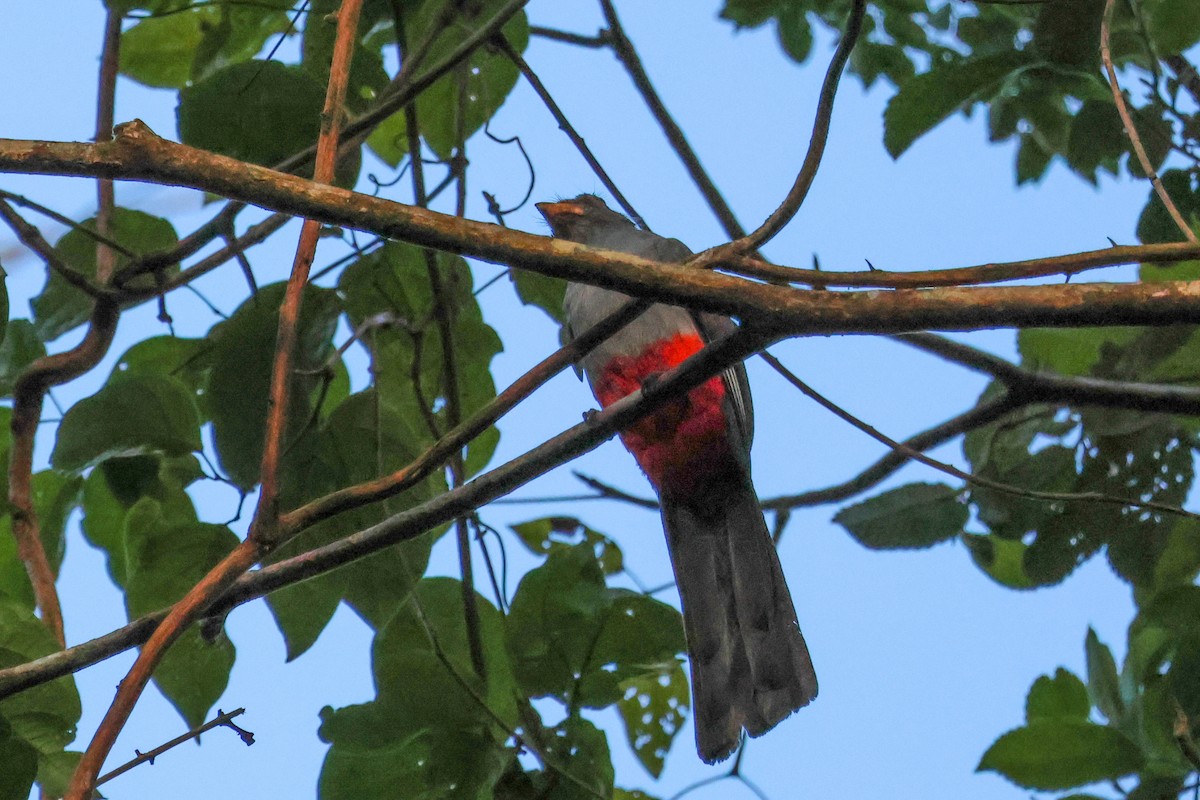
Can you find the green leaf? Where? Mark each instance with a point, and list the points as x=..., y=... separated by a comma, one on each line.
x=115, y=487
x=917, y=515
x=1002, y=560
x=20, y=762
x=165, y=558
x=1062, y=697
x=185, y=360
x=243, y=350
x=20, y=348
x=1097, y=139
x=550, y=534
x=440, y=741
x=367, y=76
x=159, y=51
x=1052, y=754
x=55, y=771
x=750, y=13
x=55, y=496
x=394, y=281
x=542, y=291
x=489, y=77
x=926, y=100
x=1157, y=134
x=581, y=749
x=61, y=307
x=1072, y=351
x=361, y=440
x=554, y=620
x=1033, y=159
x=135, y=415
x=1155, y=225
x=1068, y=32
x=795, y=34
x=653, y=708
x=1174, y=25
x=239, y=33
x=1103, y=683
x=44, y=716
x=256, y=111
x=573, y=639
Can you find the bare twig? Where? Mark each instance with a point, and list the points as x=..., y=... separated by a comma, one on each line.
x=816, y=147
x=1002, y=272
x=263, y=534
x=628, y=57
x=501, y=41
x=601, y=39
x=1131, y=129
x=222, y=720
x=1182, y=730
x=980, y=415
x=974, y=480
x=263, y=529
x=1186, y=74
x=1048, y=387
x=603, y=490
x=32, y=238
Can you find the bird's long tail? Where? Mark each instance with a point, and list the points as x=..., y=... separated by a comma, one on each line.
x=750, y=666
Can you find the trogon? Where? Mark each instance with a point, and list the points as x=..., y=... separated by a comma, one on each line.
x=750, y=665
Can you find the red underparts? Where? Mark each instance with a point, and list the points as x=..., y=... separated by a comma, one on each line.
x=681, y=445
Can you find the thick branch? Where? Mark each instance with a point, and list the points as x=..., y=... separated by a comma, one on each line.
x=138, y=154
x=558, y=450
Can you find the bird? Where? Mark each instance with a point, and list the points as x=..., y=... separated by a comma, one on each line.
x=750, y=665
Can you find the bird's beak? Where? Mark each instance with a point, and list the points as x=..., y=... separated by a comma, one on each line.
x=559, y=214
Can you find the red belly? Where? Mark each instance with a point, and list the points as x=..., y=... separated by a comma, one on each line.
x=681, y=445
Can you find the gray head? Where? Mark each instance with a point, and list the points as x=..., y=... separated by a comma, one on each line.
x=585, y=219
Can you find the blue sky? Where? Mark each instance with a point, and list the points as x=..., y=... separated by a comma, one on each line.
x=923, y=661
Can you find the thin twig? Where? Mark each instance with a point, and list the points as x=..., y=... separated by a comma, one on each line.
x=1131, y=129
x=974, y=480
x=32, y=238
x=263, y=529
x=629, y=59
x=982, y=414
x=604, y=491
x=601, y=39
x=222, y=720
x=505, y=47
x=1186, y=74
x=816, y=148
x=263, y=534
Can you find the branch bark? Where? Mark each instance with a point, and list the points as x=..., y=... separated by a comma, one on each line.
x=137, y=154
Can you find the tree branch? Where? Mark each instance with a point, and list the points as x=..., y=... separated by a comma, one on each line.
x=263, y=534
x=967, y=477
x=565, y=125
x=629, y=59
x=982, y=414
x=597, y=428
x=137, y=154
x=816, y=148
x=1131, y=129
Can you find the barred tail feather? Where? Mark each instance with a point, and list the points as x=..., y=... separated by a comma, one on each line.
x=750, y=666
